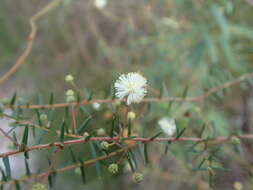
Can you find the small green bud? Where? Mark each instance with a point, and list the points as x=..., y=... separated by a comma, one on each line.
x=39, y=186
x=70, y=92
x=137, y=177
x=235, y=141
x=100, y=132
x=43, y=117
x=104, y=145
x=5, y=101
x=70, y=99
x=69, y=78
x=113, y=168
x=11, y=146
x=78, y=171
x=131, y=115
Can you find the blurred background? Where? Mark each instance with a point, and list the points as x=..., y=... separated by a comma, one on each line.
x=176, y=45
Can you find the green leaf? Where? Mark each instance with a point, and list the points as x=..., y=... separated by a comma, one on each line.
x=62, y=131
x=13, y=99
x=90, y=96
x=83, y=172
x=130, y=162
x=72, y=155
x=129, y=126
x=114, y=123
x=140, y=149
x=94, y=155
x=7, y=166
x=80, y=130
x=155, y=136
x=51, y=179
x=51, y=99
x=78, y=97
x=25, y=138
x=202, y=131
x=17, y=185
x=27, y=168
x=84, y=110
x=180, y=133
x=146, y=153
x=201, y=163
x=133, y=156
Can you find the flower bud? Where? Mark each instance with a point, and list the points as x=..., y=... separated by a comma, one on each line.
x=86, y=134
x=113, y=168
x=43, y=117
x=100, y=132
x=104, y=145
x=69, y=78
x=96, y=106
x=235, y=141
x=70, y=92
x=238, y=185
x=77, y=171
x=39, y=186
x=70, y=99
x=5, y=101
x=137, y=177
x=131, y=115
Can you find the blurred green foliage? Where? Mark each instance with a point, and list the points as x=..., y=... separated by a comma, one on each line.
x=176, y=44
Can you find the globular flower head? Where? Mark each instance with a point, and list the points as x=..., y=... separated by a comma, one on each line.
x=137, y=177
x=113, y=168
x=168, y=125
x=69, y=78
x=132, y=86
x=39, y=186
x=100, y=4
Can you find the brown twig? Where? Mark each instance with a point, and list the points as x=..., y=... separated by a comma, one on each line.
x=53, y=163
x=220, y=139
x=73, y=114
x=162, y=99
x=21, y=60
x=89, y=162
x=8, y=137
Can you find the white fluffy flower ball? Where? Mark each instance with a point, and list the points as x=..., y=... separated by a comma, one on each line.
x=168, y=125
x=132, y=86
x=100, y=4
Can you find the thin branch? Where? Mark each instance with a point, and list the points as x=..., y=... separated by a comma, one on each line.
x=21, y=60
x=8, y=137
x=89, y=162
x=53, y=162
x=220, y=139
x=162, y=99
